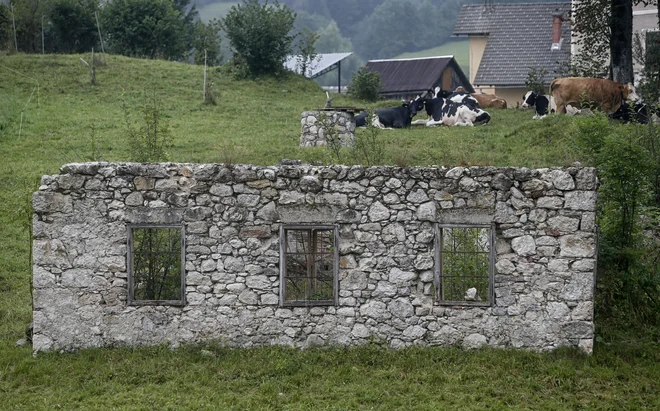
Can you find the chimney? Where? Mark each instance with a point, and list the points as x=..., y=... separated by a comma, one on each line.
x=557, y=19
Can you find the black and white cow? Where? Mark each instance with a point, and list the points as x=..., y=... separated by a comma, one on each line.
x=544, y=104
x=637, y=112
x=451, y=113
x=463, y=98
x=397, y=117
x=361, y=119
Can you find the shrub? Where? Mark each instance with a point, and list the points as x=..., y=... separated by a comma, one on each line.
x=259, y=36
x=149, y=139
x=628, y=165
x=73, y=25
x=365, y=85
x=534, y=80
x=145, y=28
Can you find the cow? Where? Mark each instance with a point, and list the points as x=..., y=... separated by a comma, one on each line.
x=606, y=95
x=450, y=113
x=544, y=104
x=637, y=112
x=462, y=98
x=397, y=117
x=489, y=100
x=361, y=119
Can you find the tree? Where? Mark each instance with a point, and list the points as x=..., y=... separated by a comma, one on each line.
x=28, y=15
x=73, y=25
x=604, y=29
x=6, y=38
x=331, y=41
x=390, y=30
x=260, y=36
x=189, y=15
x=365, y=85
x=621, y=28
x=306, y=48
x=145, y=28
x=207, y=42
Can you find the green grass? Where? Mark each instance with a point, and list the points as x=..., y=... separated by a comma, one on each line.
x=366, y=378
x=259, y=122
x=460, y=49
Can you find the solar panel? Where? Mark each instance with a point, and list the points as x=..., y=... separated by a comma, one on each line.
x=323, y=63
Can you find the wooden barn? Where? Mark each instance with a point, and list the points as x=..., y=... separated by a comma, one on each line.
x=407, y=78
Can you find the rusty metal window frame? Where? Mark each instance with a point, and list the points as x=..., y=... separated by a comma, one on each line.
x=132, y=300
x=441, y=276
x=312, y=231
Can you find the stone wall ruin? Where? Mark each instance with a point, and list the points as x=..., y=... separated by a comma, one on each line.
x=544, y=254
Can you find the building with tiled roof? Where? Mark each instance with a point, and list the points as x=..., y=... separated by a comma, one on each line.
x=508, y=40
x=406, y=78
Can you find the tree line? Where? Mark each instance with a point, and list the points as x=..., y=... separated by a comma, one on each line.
x=168, y=29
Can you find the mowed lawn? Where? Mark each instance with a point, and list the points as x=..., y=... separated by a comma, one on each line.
x=50, y=115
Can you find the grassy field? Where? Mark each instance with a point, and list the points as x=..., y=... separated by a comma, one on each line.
x=460, y=49
x=50, y=114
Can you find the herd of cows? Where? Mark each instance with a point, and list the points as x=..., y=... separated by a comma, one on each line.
x=567, y=95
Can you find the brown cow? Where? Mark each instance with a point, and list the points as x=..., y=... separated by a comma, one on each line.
x=604, y=94
x=489, y=101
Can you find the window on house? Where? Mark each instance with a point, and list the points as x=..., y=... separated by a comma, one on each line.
x=464, y=272
x=155, y=265
x=309, y=260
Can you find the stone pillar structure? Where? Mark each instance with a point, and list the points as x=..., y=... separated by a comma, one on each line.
x=314, y=126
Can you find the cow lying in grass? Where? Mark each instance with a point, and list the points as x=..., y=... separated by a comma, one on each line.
x=455, y=110
x=393, y=117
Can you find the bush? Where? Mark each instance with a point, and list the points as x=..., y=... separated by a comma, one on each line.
x=259, y=36
x=74, y=25
x=535, y=80
x=365, y=85
x=145, y=28
x=148, y=139
x=628, y=164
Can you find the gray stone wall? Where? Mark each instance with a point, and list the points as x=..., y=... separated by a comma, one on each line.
x=314, y=132
x=545, y=254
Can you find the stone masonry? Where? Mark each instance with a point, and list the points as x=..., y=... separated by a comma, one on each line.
x=313, y=133
x=544, y=223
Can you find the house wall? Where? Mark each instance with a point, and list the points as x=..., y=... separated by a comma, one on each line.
x=477, y=47
x=644, y=18
x=545, y=235
x=513, y=96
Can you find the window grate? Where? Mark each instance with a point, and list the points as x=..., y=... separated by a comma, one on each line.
x=309, y=265
x=156, y=265
x=464, y=273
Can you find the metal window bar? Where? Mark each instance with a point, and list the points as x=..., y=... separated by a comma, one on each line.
x=156, y=265
x=309, y=261
x=465, y=256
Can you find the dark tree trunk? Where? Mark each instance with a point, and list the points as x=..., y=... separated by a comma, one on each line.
x=621, y=24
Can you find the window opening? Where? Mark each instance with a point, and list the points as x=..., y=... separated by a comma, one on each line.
x=464, y=272
x=308, y=265
x=155, y=274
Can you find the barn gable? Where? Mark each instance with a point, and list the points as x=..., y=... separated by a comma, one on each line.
x=406, y=78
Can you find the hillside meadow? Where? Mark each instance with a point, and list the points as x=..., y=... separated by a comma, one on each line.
x=50, y=114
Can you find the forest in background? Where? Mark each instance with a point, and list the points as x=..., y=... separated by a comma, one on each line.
x=371, y=29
